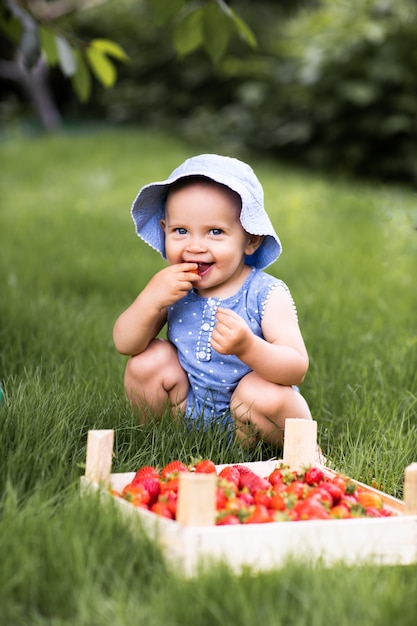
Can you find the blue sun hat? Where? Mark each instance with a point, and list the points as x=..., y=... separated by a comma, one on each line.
x=149, y=206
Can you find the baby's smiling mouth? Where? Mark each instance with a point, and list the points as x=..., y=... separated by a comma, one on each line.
x=203, y=268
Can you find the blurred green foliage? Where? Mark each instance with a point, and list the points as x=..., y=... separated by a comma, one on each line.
x=332, y=84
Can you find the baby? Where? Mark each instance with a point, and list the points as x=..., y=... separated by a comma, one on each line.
x=234, y=351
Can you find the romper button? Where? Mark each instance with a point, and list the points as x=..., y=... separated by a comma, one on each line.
x=201, y=355
x=205, y=326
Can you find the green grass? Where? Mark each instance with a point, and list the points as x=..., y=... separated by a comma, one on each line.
x=70, y=263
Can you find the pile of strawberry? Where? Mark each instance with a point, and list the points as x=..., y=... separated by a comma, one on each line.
x=243, y=497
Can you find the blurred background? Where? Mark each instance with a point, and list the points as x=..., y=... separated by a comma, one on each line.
x=329, y=84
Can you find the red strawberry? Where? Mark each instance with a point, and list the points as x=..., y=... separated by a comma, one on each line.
x=323, y=496
x=243, y=469
x=171, y=485
x=247, y=498
x=263, y=497
x=311, y=509
x=276, y=476
x=334, y=490
x=298, y=488
x=136, y=494
x=313, y=476
x=340, y=511
x=205, y=467
x=152, y=486
x=259, y=515
x=221, y=499
x=236, y=506
x=231, y=474
x=253, y=482
x=277, y=502
x=146, y=470
x=174, y=467
x=171, y=501
x=161, y=508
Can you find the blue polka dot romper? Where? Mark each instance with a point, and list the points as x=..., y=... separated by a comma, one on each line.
x=213, y=376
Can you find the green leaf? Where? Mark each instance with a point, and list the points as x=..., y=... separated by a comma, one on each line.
x=103, y=69
x=188, y=33
x=81, y=81
x=243, y=29
x=165, y=10
x=66, y=56
x=216, y=32
x=48, y=45
x=110, y=47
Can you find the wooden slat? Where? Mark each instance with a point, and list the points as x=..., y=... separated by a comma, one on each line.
x=300, y=443
x=196, y=499
x=99, y=455
x=410, y=489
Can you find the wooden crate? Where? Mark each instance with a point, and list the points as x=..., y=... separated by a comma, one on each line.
x=194, y=538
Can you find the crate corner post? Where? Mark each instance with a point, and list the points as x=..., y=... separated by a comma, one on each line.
x=300, y=443
x=410, y=489
x=99, y=455
x=196, y=499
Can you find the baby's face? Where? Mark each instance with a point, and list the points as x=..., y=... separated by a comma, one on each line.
x=202, y=225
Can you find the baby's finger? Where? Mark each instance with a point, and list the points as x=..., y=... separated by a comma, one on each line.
x=190, y=268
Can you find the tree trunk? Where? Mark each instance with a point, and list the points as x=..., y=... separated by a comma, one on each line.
x=35, y=83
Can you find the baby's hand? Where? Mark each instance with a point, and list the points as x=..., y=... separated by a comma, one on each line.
x=172, y=283
x=231, y=335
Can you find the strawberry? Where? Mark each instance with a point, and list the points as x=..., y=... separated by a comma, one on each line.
x=246, y=497
x=174, y=467
x=231, y=474
x=221, y=498
x=277, y=502
x=253, y=482
x=230, y=488
x=152, y=486
x=340, y=482
x=258, y=515
x=172, y=500
x=323, y=496
x=311, y=509
x=161, y=508
x=146, y=470
x=136, y=494
x=334, y=490
x=340, y=511
x=297, y=488
x=171, y=485
x=263, y=497
x=236, y=505
x=369, y=499
x=205, y=467
x=313, y=476
x=243, y=471
x=276, y=476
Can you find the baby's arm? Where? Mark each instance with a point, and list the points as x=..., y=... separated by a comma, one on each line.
x=144, y=318
x=281, y=357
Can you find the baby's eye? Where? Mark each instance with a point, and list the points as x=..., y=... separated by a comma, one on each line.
x=181, y=231
x=216, y=231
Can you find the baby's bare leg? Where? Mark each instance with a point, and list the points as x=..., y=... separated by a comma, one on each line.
x=260, y=408
x=154, y=380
